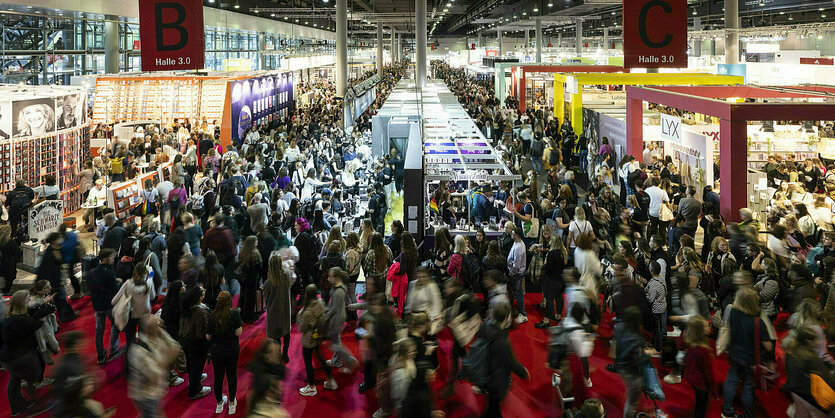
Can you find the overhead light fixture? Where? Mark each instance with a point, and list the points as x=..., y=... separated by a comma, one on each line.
x=762, y=3
x=820, y=36
x=256, y=10
x=550, y=4
x=446, y=10
x=791, y=18
x=823, y=15
x=449, y=5
x=695, y=13
x=211, y=1
x=285, y=17
x=524, y=13
x=237, y=6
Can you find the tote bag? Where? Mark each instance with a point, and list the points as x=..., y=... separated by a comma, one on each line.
x=121, y=311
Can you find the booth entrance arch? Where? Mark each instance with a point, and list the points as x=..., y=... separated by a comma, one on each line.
x=733, y=123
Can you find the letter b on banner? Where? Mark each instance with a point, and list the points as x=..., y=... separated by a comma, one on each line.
x=171, y=34
x=654, y=33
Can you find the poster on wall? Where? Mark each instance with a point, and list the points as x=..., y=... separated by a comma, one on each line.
x=615, y=131
x=33, y=117
x=6, y=117
x=693, y=155
x=256, y=100
x=69, y=111
x=591, y=124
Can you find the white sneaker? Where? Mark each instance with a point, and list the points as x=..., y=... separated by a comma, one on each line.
x=672, y=379
x=588, y=383
x=219, y=408
x=233, y=407
x=330, y=384
x=308, y=391
x=380, y=413
x=521, y=319
x=176, y=382
x=203, y=377
x=675, y=333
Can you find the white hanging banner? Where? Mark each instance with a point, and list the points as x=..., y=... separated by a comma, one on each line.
x=671, y=128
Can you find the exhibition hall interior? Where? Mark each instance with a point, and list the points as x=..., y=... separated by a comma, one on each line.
x=417, y=209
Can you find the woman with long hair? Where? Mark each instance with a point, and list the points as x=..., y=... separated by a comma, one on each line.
x=176, y=245
x=249, y=274
x=35, y=119
x=311, y=320
x=366, y=231
x=193, y=325
x=211, y=277
x=223, y=330
x=441, y=253
x=278, y=303
x=768, y=288
x=552, y=284
x=353, y=264
x=456, y=261
x=698, y=366
x=11, y=253
x=140, y=289
x=803, y=362
x=334, y=235
x=806, y=316
x=743, y=320
x=408, y=257
x=378, y=258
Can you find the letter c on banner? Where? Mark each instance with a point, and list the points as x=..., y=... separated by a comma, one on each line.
x=642, y=24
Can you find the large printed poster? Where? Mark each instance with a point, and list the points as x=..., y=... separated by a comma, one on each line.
x=6, y=118
x=33, y=117
x=257, y=100
x=70, y=111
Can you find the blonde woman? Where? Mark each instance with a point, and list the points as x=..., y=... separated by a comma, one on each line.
x=579, y=226
x=822, y=214
x=34, y=120
x=335, y=235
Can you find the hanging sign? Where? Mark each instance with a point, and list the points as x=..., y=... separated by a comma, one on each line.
x=44, y=218
x=671, y=128
x=172, y=35
x=655, y=33
x=818, y=61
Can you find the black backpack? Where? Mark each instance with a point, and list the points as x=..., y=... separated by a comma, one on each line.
x=476, y=364
x=784, y=298
x=537, y=147
x=554, y=157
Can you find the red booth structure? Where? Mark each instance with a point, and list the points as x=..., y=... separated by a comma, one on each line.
x=517, y=81
x=733, y=121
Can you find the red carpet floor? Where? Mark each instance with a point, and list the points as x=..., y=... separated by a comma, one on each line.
x=529, y=399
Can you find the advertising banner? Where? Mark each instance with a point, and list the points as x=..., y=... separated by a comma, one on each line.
x=655, y=33
x=44, y=218
x=33, y=117
x=818, y=61
x=671, y=128
x=258, y=100
x=172, y=35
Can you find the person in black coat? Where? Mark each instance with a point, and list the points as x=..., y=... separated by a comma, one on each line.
x=10, y=254
x=50, y=270
x=308, y=255
x=552, y=284
x=103, y=286
x=502, y=360
x=393, y=241
x=115, y=232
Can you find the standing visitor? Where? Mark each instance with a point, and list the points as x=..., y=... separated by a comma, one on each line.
x=335, y=318
x=248, y=273
x=103, y=286
x=224, y=329
x=193, y=339
x=502, y=360
x=312, y=326
x=279, y=304
x=516, y=264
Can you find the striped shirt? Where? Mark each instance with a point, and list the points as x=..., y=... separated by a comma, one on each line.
x=656, y=291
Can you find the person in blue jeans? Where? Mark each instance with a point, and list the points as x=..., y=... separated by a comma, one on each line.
x=103, y=285
x=743, y=321
x=582, y=154
x=516, y=264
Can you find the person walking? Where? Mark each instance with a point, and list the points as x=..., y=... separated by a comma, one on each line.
x=248, y=274
x=630, y=356
x=19, y=349
x=312, y=326
x=193, y=339
x=502, y=361
x=335, y=318
x=103, y=286
x=223, y=330
x=151, y=357
x=140, y=290
x=279, y=304
x=516, y=265
x=552, y=284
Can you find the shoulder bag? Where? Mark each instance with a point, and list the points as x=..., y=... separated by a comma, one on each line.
x=724, y=337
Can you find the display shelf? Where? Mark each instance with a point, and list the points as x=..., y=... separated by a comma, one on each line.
x=123, y=197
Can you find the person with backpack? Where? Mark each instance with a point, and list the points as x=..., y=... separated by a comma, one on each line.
x=493, y=356
x=117, y=166
x=313, y=326
x=537, y=150
x=551, y=156
x=177, y=198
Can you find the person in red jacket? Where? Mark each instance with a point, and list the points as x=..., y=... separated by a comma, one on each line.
x=698, y=365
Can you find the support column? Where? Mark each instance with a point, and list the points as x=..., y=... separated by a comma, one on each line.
x=341, y=47
x=578, y=48
x=733, y=163
x=111, y=45
x=394, y=57
x=712, y=47
x=697, y=42
x=46, y=49
x=635, y=128
x=606, y=39
x=522, y=88
x=478, y=40
x=527, y=39
x=499, y=40
x=262, y=47
x=420, y=42
x=380, y=49
x=559, y=100
x=539, y=39
x=731, y=31
x=577, y=111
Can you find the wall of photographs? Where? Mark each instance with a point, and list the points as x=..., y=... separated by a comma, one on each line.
x=44, y=131
x=259, y=100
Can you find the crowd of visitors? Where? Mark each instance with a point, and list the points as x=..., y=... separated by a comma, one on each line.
x=291, y=224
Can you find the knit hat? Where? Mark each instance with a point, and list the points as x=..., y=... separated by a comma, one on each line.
x=303, y=224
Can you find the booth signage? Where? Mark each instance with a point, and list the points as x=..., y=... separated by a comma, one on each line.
x=44, y=218
x=671, y=128
x=655, y=33
x=172, y=35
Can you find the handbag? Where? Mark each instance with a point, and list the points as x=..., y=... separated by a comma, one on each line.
x=724, y=337
x=823, y=394
x=765, y=374
x=464, y=328
x=716, y=319
x=665, y=215
x=653, y=385
x=121, y=311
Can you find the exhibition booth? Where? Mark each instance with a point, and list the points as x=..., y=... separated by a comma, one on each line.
x=739, y=111
x=236, y=100
x=519, y=80
x=44, y=131
x=573, y=85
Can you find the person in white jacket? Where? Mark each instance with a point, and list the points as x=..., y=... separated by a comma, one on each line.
x=140, y=289
x=310, y=185
x=424, y=295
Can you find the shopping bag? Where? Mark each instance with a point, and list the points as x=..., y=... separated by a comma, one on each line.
x=724, y=337
x=121, y=311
